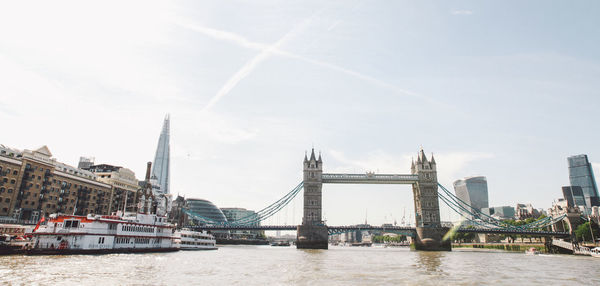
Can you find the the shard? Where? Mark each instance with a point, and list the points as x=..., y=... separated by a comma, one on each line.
x=161, y=165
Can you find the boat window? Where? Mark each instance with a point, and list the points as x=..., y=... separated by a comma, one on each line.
x=75, y=223
x=68, y=223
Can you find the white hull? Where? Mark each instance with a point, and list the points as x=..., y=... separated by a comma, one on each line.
x=194, y=240
x=104, y=234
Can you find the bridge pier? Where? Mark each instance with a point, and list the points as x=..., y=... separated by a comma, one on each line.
x=312, y=237
x=431, y=239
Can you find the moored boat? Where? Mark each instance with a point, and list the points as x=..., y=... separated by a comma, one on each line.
x=280, y=243
x=195, y=240
x=96, y=234
x=532, y=251
x=14, y=239
x=595, y=252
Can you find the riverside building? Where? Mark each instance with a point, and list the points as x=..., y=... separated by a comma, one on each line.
x=161, y=167
x=581, y=174
x=503, y=212
x=473, y=191
x=124, y=186
x=33, y=184
x=233, y=214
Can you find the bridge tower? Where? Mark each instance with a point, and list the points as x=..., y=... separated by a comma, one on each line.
x=427, y=210
x=312, y=233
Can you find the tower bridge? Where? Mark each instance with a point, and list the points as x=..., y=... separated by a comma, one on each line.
x=428, y=232
x=313, y=232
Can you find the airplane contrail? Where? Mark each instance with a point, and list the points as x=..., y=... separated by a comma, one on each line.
x=267, y=50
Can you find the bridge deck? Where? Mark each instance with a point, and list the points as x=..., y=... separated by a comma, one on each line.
x=403, y=229
x=369, y=179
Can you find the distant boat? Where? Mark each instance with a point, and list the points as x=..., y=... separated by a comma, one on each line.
x=367, y=244
x=532, y=251
x=280, y=243
x=195, y=240
x=595, y=252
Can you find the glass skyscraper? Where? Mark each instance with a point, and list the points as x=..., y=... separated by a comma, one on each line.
x=581, y=174
x=574, y=196
x=205, y=209
x=473, y=191
x=162, y=161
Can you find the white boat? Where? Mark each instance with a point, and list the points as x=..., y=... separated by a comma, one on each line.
x=195, y=240
x=595, y=252
x=70, y=234
x=532, y=251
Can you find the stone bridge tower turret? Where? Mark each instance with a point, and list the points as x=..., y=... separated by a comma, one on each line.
x=313, y=184
x=312, y=233
x=427, y=209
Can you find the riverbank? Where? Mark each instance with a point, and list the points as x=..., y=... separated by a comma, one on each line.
x=231, y=241
x=500, y=246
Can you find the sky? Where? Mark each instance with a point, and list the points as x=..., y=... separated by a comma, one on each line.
x=505, y=89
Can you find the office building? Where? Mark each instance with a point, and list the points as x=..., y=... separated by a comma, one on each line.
x=85, y=162
x=503, y=212
x=124, y=186
x=162, y=161
x=582, y=175
x=474, y=192
x=234, y=214
x=525, y=211
x=206, y=212
x=574, y=196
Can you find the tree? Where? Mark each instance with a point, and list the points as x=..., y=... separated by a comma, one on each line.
x=463, y=236
x=583, y=231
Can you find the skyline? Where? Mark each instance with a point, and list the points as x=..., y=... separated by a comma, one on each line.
x=504, y=90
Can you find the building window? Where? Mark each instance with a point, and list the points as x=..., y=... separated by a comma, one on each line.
x=12, y=182
x=10, y=191
x=7, y=200
x=15, y=172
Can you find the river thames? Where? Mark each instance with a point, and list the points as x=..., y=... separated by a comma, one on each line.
x=266, y=265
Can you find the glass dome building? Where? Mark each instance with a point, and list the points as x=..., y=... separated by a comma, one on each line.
x=204, y=208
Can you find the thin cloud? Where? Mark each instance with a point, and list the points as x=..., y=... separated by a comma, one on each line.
x=254, y=62
x=267, y=50
x=462, y=12
x=221, y=35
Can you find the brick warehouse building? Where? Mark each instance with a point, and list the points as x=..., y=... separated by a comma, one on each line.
x=32, y=184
